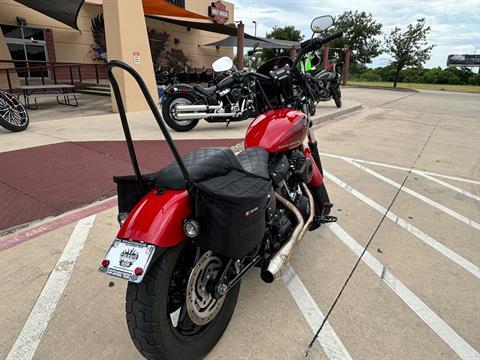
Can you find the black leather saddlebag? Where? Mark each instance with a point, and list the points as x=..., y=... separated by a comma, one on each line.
x=231, y=209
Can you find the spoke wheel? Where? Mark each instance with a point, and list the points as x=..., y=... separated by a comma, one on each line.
x=13, y=115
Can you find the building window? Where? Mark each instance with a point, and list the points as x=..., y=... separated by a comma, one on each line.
x=26, y=43
x=180, y=3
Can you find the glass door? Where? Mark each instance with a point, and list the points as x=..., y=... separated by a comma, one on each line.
x=26, y=43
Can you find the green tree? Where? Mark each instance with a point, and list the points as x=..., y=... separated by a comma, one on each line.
x=359, y=32
x=408, y=48
x=282, y=33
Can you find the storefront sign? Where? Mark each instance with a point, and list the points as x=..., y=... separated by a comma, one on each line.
x=136, y=57
x=219, y=12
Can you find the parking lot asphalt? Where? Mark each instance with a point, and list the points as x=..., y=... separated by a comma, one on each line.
x=414, y=294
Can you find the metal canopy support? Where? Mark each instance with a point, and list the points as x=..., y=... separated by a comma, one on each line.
x=240, y=45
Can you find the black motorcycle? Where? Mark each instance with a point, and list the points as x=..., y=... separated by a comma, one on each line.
x=326, y=84
x=231, y=99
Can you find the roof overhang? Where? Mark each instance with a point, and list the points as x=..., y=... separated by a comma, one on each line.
x=200, y=25
x=167, y=9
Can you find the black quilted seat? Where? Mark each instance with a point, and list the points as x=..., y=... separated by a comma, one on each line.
x=205, y=91
x=255, y=161
x=207, y=163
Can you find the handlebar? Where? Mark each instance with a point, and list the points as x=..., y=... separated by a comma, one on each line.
x=316, y=43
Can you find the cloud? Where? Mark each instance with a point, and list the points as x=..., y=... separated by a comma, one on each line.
x=455, y=27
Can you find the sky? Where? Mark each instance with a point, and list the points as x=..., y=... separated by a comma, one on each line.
x=455, y=24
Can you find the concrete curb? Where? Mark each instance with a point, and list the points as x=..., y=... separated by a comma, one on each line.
x=381, y=88
x=318, y=119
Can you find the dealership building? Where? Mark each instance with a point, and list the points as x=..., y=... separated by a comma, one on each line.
x=56, y=40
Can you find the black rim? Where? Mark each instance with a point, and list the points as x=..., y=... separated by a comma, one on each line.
x=12, y=110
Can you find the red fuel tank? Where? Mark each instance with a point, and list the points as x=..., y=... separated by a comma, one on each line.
x=277, y=130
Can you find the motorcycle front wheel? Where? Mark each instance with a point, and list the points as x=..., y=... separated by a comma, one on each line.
x=337, y=97
x=13, y=115
x=157, y=311
x=168, y=109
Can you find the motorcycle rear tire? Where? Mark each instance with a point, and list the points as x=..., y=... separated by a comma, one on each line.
x=337, y=97
x=174, y=124
x=149, y=320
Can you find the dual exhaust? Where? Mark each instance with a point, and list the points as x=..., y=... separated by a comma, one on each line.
x=282, y=257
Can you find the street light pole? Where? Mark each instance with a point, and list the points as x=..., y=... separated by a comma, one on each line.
x=255, y=27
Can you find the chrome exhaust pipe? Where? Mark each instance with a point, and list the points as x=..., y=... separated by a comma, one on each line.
x=192, y=116
x=282, y=257
x=187, y=108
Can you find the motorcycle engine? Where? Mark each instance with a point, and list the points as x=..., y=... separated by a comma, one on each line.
x=287, y=173
x=235, y=95
x=323, y=87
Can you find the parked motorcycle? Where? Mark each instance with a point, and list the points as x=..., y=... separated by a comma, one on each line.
x=191, y=231
x=328, y=84
x=231, y=99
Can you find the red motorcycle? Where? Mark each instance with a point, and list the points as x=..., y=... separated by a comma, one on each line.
x=192, y=230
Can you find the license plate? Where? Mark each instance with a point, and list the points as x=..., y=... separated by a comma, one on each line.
x=124, y=256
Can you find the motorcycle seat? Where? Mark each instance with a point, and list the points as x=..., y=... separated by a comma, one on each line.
x=205, y=91
x=206, y=163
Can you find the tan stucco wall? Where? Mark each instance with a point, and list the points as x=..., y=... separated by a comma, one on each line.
x=122, y=42
x=70, y=45
x=5, y=55
x=74, y=46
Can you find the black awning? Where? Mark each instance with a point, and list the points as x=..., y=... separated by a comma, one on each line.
x=258, y=42
x=65, y=11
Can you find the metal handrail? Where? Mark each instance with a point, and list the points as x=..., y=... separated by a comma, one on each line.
x=50, y=67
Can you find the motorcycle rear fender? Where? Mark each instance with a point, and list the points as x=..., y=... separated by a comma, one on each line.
x=158, y=219
x=180, y=88
x=317, y=178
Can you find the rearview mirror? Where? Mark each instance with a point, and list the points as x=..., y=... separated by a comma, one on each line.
x=321, y=23
x=222, y=64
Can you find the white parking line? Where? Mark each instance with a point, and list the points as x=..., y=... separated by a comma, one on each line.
x=328, y=339
x=450, y=186
x=27, y=341
x=425, y=199
x=442, y=329
x=442, y=249
x=402, y=168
